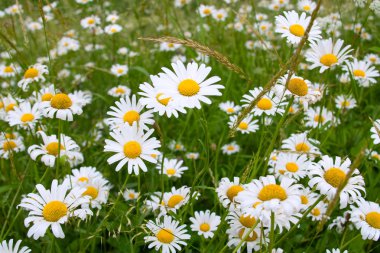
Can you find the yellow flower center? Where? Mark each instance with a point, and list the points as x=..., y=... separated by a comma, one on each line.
x=27, y=117
x=304, y=200
x=8, y=69
x=61, y=101
x=188, y=87
x=83, y=179
x=250, y=238
x=204, y=227
x=132, y=149
x=316, y=211
x=119, y=71
x=10, y=107
x=219, y=15
x=8, y=145
x=306, y=8
x=264, y=104
x=131, y=195
x=207, y=11
x=163, y=101
x=247, y=221
x=272, y=191
x=52, y=148
x=131, y=116
x=230, y=110
x=10, y=136
x=302, y=147
x=170, y=171
x=54, y=210
x=113, y=30
x=373, y=219
x=31, y=73
x=372, y=59
x=359, y=73
x=345, y=103
x=175, y=200
x=328, y=59
x=291, y=167
x=165, y=235
x=233, y=191
x=335, y=177
x=170, y=45
x=119, y=91
x=297, y=30
x=47, y=97
x=91, y=191
x=243, y=125
x=90, y=21
x=298, y=86
x=319, y=118
x=230, y=148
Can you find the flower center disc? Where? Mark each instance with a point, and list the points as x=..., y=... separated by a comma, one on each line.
x=297, y=30
x=119, y=91
x=316, y=212
x=8, y=69
x=165, y=235
x=298, y=86
x=243, y=125
x=302, y=147
x=27, y=117
x=359, y=73
x=131, y=116
x=319, y=119
x=175, y=200
x=233, y=191
x=265, y=104
x=272, y=191
x=10, y=107
x=304, y=200
x=83, y=179
x=291, y=167
x=52, y=148
x=46, y=97
x=170, y=171
x=373, y=219
x=306, y=8
x=204, y=227
x=328, y=59
x=91, y=191
x=188, y=88
x=247, y=221
x=163, y=101
x=251, y=238
x=31, y=73
x=54, y=210
x=335, y=177
x=8, y=145
x=61, y=101
x=132, y=149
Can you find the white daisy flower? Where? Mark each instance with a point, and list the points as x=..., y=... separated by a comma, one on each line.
x=330, y=173
x=10, y=146
x=297, y=86
x=229, y=107
x=306, y=5
x=119, y=70
x=34, y=73
x=188, y=85
x=52, y=148
x=228, y=190
x=252, y=242
x=9, y=70
x=205, y=223
x=51, y=208
x=342, y=222
x=176, y=146
x=168, y=46
x=62, y=106
x=67, y=44
x=290, y=165
x=172, y=167
x=192, y=155
x=318, y=212
x=363, y=72
x=7, y=247
x=219, y=14
x=230, y=148
x=336, y=251
x=127, y=112
x=318, y=117
x=268, y=104
x=112, y=29
x=372, y=58
x=130, y=194
x=375, y=130
x=112, y=18
x=366, y=218
x=293, y=27
x=45, y=94
x=24, y=116
x=98, y=191
x=84, y=175
x=247, y=125
x=119, y=91
x=206, y=10
x=132, y=146
x=326, y=54
x=300, y=143
x=168, y=235
x=90, y=22
x=345, y=102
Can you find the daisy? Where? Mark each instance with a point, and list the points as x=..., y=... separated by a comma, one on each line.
x=52, y=148
x=366, y=217
x=132, y=146
x=119, y=91
x=219, y=14
x=176, y=146
x=67, y=44
x=373, y=155
x=98, y=191
x=168, y=235
x=269, y=104
x=306, y=5
x=293, y=26
x=24, y=116
x=372, y=58
x=206, y=10
x=128, y=111
x=84, y=175
x=168, y=46
x=300, y=143
x=308, y=198
x=51, y=208
x=82, y=98
x=318, y=212
x=176, y=198
x=205, y=223
x=230, y=148
x=252, y=242
x=33, y=74
x=172, y=168
x=10, y=146
x=153, y=97
x=363, y=72
x=8, y=70
x=188, y=85
x=119, y=70
x=336, y=251
x=7, y=247
x=375, y=130
x=229, y=107
x=112, y=29
x=192, y=155
x=247, y=125
x=290, y=165
x=264, y=195
x=130, y=194
x=112, y=18
x=62, y=106
x=228, y=190
x=45, y=94
x=330, y=173
x=345, y=102
x=326, y=54
x=90, y=22
x=297, y=86
x=342, y=222
x=316, y=117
